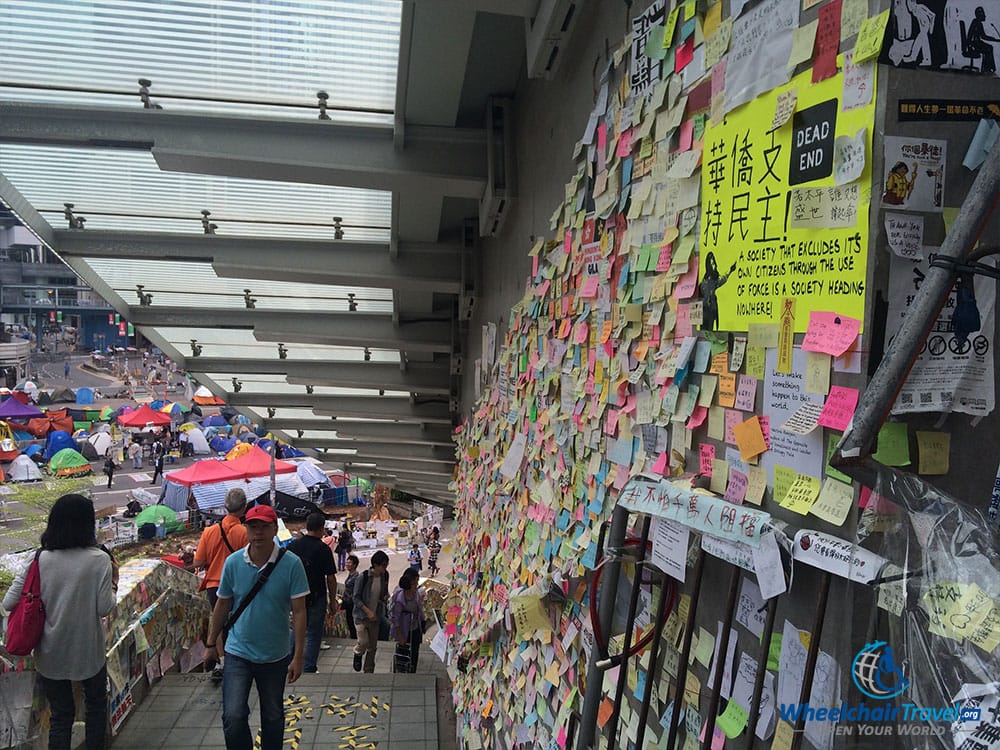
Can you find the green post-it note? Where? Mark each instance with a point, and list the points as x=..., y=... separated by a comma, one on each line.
x=733, y=720
x=774, y=652
x=893, y=445
x=832, y=439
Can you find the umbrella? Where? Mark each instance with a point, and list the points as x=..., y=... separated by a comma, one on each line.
x=187, y=426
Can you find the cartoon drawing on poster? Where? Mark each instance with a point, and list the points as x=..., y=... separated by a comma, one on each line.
x=944, y=35
x=914, y=173
x=772, y=215
x=949, y=375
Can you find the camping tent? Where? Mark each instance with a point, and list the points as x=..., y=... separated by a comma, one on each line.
x=144, y=416
x=257, y=463
x=212, y=496
x=23, y=469
x=288, y=507
x=213, y=421
x=84, y=396
x=12, y=408
x=199, y=445
x=69, y=463
x=221, y=444
x=202, y=472
x=238, y=450
x=155, y=514
x=56, y=441
x=63, y=396
x=101, y=442
x=310, y=474
x=205, y=396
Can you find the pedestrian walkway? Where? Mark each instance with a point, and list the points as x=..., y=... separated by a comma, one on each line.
x=336, y=707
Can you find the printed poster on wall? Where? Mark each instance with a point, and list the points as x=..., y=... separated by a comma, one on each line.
x=944, y=35
x=774, y=223
x=914, y=174
x=948, y=375
x=644, y=70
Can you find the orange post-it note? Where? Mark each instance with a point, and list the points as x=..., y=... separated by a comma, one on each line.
x=749, y=438
x=604, y=712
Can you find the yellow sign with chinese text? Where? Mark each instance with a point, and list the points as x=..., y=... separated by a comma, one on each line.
x=775, y=222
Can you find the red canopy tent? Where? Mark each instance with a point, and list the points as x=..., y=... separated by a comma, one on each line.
x=203, y=472
x=144, y=416
x=257, y=463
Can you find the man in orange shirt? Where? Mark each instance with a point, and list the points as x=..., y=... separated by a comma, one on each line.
x=217, y=543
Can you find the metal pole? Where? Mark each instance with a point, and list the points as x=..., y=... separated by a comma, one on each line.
x=629, y=625
x=682, y=661
x=812, y=657
x=606, y=610
x=654, y=652
x=721, y=655
x=758, y=683
x=902, y=352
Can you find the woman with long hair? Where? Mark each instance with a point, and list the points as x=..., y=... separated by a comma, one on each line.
x=78, y=584
x=406, y=615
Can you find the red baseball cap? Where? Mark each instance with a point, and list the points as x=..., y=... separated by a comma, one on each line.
x=263, y=513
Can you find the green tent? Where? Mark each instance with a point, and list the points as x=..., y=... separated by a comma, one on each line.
x=156, y=514
x=69, y=463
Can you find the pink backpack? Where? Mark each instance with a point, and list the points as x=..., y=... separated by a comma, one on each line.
x=27, y=621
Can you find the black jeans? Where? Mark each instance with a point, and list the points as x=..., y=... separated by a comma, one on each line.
x=351, y=627
x=416, y=636
x=59, y=694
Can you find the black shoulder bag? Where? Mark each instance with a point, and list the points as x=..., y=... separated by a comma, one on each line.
x=225, y=540
x=265, y=573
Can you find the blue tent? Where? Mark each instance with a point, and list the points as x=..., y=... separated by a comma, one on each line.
x=213, y=421
x=56, y=441
x=290, y=452
x=84, y=396
x=32, y=449
x=221, y=444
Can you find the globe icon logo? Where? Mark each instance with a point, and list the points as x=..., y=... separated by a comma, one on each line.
x=876, y=674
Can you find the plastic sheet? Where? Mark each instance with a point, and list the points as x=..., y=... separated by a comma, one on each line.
x=947, y=634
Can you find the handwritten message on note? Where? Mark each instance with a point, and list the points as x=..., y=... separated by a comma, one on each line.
x=905, y=233
x=830, y=333
x=839, y=407
x=849, y=157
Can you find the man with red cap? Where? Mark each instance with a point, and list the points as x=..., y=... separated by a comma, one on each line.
x=260, y=585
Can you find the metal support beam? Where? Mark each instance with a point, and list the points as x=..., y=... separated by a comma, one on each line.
x=424, y=468
x=880, y=394
x=416, y=475
x=419, y=266
x=397, y=434
x=334, y=329
x=354, y=407
x=25, y=212
x=384, y=451
x=449, y=161
x=420, y=377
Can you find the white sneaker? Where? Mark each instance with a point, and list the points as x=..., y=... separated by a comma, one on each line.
x=324, y=646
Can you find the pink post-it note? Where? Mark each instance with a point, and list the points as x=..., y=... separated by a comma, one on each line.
x=746, y=392
x=589, y=288
x=733, y=418
x=839, y=407
x=682, y=326
x=686, y=135
x=706, y=454
x=687, y=283
x=830, y=333
x=736, y=490
x=660, y=465
x=624, y=144
x=602, y=137
x=683, y=56
x=697, y=418
x=765, y=430
x=663, y=262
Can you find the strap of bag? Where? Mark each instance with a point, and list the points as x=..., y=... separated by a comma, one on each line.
x=225, y=539
x=265, y=573
x=33, y=583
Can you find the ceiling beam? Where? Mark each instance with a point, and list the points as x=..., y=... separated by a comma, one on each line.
x=385, y=451
x=359, y=407
x=417, y=377
x=417, y=474
x=449, y=161
x=524, y=8
x=382, y=431
x=302, y=327
x=425, y=267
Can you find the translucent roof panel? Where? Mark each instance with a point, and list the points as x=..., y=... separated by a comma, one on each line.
x=192, y=284
x=276, y=384
x=125, y=190
x=240, y=343
x=270, y=51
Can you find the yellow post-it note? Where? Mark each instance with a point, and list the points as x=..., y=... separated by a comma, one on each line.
x=817, y=372
x=835, y=501
x=801, y=495
x=755, y=359
x=720, y=476
x=692, y=689
x=986, y=635
x=756, y=484
x=934, y=449
x=733, y=720
x=764, y=335
x=870, y=36
x=783, y=736
x=716, y=423
x=706, y=647
x=749, y=438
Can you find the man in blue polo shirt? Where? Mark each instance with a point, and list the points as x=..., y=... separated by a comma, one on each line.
x=256, y=646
